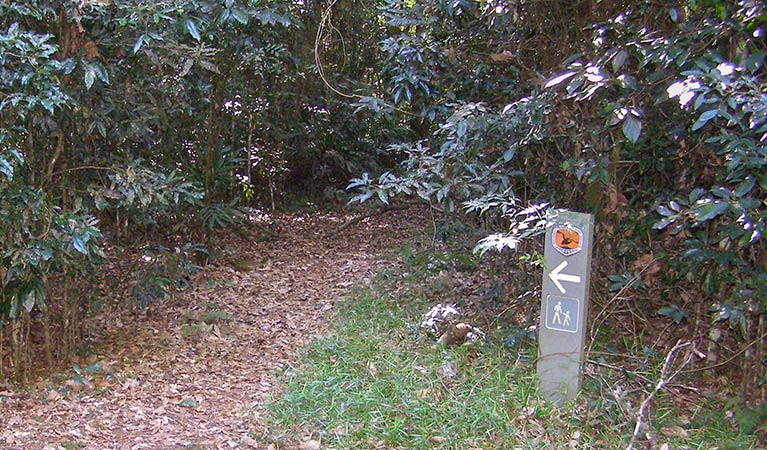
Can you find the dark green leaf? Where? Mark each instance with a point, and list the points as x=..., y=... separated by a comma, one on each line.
x=240, y=16
x=755, y=61
x=704, y=118
x=721, y=192
x=707, y=211
x=745, y=187
x=101, y=73
x=575, y=84
x=674, y=312
x=632, y=128
x=266, y=17
x=619, y=59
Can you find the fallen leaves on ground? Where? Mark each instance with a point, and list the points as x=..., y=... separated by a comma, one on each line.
x=190, y=372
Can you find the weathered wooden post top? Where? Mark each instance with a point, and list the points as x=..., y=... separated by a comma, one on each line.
x=564, y=305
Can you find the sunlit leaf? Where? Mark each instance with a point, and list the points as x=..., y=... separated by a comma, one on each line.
x=90, y=76
x=79, y=244
x=559, y=79
x=192, y=29
x=138, y=44
x=188, y=63
x=662, y=224
x=674, y=14
x=663, y=210
x=29, y=301
x=207, y=65
x=382, y=196
x=6, y=168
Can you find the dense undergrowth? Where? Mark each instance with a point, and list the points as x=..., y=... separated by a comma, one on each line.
x=379, y=380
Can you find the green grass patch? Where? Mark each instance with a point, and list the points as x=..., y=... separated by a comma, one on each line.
x=376, y=381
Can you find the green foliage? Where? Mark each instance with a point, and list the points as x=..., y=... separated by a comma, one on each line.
x=162, y=271
x=219, y=215
x=39, y=239
x=651, y=116
x=711, y=97
x=28, y=74
x=473, y=162
x=143, y=193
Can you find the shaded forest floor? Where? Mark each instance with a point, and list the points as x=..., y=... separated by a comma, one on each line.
x=191, y=371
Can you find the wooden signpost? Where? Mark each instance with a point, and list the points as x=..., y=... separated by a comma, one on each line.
x=564, y=305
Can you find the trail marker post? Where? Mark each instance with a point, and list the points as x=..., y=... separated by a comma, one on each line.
x=564, y=305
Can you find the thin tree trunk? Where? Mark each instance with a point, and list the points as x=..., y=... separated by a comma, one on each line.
x=27, y=323
x=2, y=348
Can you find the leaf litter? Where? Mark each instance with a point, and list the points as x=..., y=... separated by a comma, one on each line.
x=191, y=371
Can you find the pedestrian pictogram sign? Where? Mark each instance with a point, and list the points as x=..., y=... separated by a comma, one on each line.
x=562, y=314
x=564, y=305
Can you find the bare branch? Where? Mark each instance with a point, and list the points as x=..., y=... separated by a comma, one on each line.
x=666, y=375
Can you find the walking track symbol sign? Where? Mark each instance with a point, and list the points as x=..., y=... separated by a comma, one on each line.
x=564, y=305
x=562, y=313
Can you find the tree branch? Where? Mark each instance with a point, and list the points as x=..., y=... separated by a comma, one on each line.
x=666, y=376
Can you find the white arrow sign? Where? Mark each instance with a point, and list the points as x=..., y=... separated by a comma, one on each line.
x=557, y=277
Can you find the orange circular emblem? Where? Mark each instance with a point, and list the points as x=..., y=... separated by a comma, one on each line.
x=567, y=239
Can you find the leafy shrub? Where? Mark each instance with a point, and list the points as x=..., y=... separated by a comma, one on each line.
x=162, y=271
x=144, y=194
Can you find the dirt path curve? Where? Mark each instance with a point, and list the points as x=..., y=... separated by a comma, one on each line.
x=192, y=371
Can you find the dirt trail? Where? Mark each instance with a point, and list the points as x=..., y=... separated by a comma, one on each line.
x=191, y=373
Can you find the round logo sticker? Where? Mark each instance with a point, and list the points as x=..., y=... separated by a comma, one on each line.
x=567, y=240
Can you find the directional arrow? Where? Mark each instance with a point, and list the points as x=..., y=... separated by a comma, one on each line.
x=557, y=277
